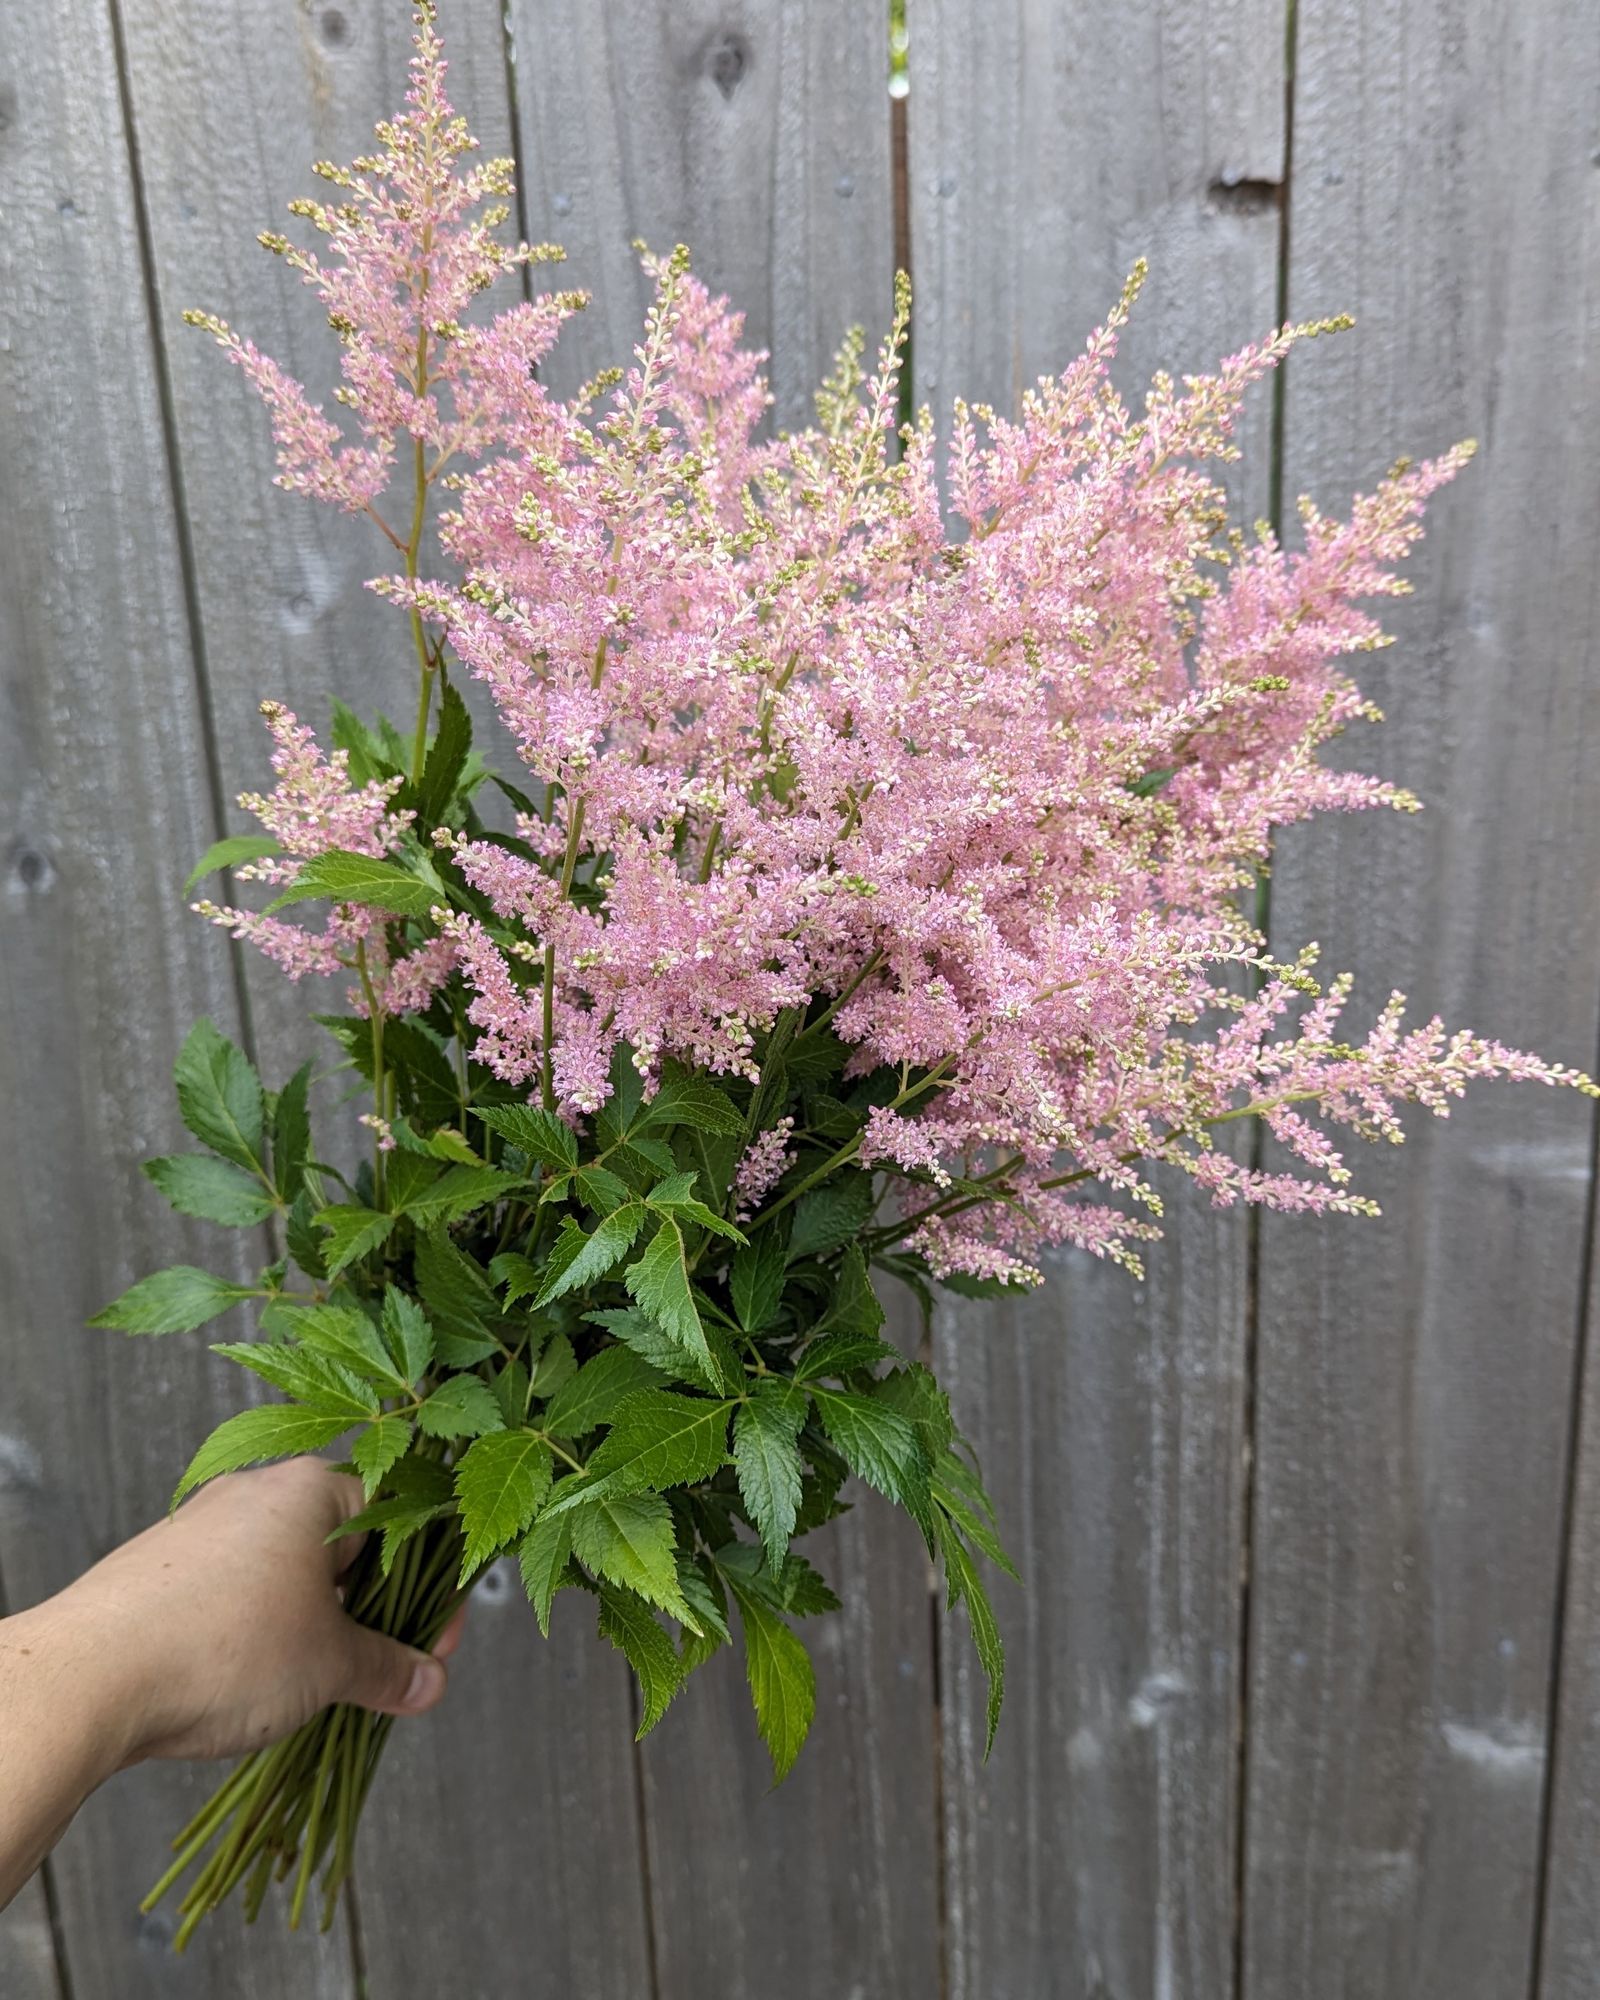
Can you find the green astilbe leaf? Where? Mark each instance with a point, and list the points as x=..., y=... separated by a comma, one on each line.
x=631, y=1627
x=352, y=1233
x=220, y=1096
x=783, y=1685
x=339, y=877
x=274, y=1430
x=461, y=1407
x=591, y=1396
x=375, y=1452
x=214, y=1190
x=660, y=1284
x=172, y=1301
x=657, y=1439
x=628, y=1539
x=500, y=1482
x=766, y=1458
x=544, y=1557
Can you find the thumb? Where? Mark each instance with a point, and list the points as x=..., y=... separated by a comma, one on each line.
x=381, y=1674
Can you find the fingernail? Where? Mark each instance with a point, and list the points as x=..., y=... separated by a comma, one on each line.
x=426, y=1684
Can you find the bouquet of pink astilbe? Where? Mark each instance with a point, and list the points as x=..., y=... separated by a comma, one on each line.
x=871, y=899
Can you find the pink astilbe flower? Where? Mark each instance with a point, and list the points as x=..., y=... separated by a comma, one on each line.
x=992, y=802
x=760, y=1168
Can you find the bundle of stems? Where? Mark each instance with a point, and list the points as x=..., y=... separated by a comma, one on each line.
x=294, y=1808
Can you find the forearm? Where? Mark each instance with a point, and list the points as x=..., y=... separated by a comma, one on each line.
x=65, y=1725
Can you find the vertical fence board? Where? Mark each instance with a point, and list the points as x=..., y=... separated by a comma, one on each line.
x=1051, y=145
x=758, y=135
x=231, y=106
x=28, y=1969
x=1571, y=1913
x=1416, y=1372
x=102, y=795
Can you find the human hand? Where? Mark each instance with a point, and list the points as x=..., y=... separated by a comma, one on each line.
x=217, y=1631
x=229, y=1624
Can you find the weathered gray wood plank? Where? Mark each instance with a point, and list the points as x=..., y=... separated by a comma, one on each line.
x=224, y=144
x=28, y=1969
x=756, y=133
x=1415, y=1373
x=102, y=796
x=1570, y=1944
x=1050, y=146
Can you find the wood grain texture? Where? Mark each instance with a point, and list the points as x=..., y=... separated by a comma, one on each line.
x=756, y=131
x=1416, y=1372
x=28, y=1969
x=102, y=791
x=1050, y=146
x=282, y=611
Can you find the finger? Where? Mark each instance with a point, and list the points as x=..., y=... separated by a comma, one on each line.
x=450, y=1637
x=340, y=1497
x=382, y=1674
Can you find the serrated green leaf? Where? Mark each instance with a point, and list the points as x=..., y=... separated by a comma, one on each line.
x=631, y=1627
x=510, y=1389
x=171, y=1301
x=445, y=761
x=590, y=1398
x=782, y=1683
x=291, y=1132
x=628, y=1539
x=455, y=1290
x=444, y=1144
x=766, y=1458
x=831, y=1215
x=967, y=1520
x=966, y=1587
x=755, y=1279
x=274, y=1430
x=458, y=1192
x=500, y=1482
x=230, y=853
x=398, y=1519
x=637, y=1330
x=407, y=1334
x=659, y=1284
x=340, y=877
x=915, y=1393
x=555, y=1366
x=305, y=1376
x=520, y=1276
x=689, y=1100
x=352, y=1233
x=540, y=1134
x=687, y=1209
x=302, y=1236
x=461, y=1407
x=542, y=1557
x=599, y=1189
x=877, y=1443
x=656, y=1439
x=611, y=1239
x=346, y=1335
x=854, y=1307
x=838, y=1353
x=220, y=1096
x=215, y=1190
x=377, y=1448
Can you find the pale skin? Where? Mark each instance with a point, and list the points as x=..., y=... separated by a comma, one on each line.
x=211, y=1634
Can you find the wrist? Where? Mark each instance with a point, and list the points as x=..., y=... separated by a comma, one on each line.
x=102, y=1679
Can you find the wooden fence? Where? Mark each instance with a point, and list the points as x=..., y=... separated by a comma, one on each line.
x=1305, y=1682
